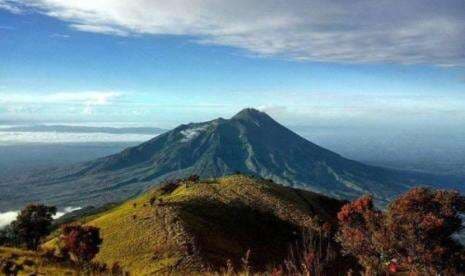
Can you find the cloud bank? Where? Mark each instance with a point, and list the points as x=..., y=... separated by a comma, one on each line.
x=7, y=217
x=359, y=31
x=17, y=137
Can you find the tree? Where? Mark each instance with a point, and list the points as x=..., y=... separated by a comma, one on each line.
x=8, y=237
x=82, y=243
x=415, y=232
x=422, y=222
x=32, y=224
x=362, y=233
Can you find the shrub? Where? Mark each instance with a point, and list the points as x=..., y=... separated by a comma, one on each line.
x=316, y=254
x=82, y=243
x=193, y=178
x=169, y=187
x=421, y=223
x=362, y=233
x=415, y=232
x=10, y=267
x=116, y=269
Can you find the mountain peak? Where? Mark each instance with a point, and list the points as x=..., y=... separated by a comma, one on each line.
x=250, y=142
x=251, y=113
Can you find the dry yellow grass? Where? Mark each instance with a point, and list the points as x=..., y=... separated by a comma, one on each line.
x=32, y=263
x=196, y=227
x=147, y=239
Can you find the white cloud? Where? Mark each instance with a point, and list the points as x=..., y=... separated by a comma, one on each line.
x=29, y=103
x=364, y=108
x=65, y=211
x=7, y=217
x=16, y=137
x=94, y=97
x=274, y=110
x=99, y=29
x=10, y=6
x=192, y=133
x=60, y=36
x=415, y=31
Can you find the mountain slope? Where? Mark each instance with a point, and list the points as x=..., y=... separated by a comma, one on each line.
x=192, y=227
x=250, y=142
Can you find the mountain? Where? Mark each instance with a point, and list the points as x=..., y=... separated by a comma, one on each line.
x=251, y=142
x=189, y=227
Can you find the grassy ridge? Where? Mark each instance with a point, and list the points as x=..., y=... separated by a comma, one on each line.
x=199, y=226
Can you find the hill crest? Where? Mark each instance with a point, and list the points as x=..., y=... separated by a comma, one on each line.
x=197, y=226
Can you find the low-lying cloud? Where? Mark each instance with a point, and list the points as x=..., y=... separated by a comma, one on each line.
x=7, y=217
x=65, y=211
x=361, y=31
x=9, y=138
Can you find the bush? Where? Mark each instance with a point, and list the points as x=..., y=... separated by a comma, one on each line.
x=168, y=187
x=10, y=267
x=193, y=178
x=421, y=223
x=362, y=233
x=116, y=269
x=82, y=243
x=414, y=233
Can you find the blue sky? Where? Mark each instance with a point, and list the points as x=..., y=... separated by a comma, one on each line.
x=169, y=63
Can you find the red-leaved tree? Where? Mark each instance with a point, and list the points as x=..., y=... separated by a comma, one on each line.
x=362, y=233
x=82, y=243
x=422, y=222
x=415, y=232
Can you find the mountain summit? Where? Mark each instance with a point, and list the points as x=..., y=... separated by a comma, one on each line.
x=251, y=114
x=251, y=142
